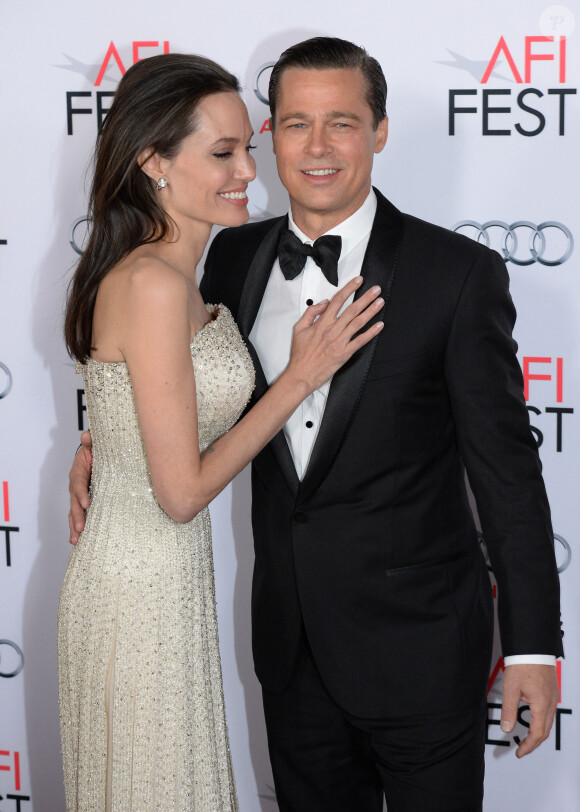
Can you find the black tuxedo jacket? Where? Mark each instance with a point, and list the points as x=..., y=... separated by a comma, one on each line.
x=376, y=551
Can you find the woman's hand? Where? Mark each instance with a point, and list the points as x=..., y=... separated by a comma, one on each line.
x=324, y=340
x=79, y=478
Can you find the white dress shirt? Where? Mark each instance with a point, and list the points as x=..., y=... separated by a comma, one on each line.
x=283, y=304
x=286, y=300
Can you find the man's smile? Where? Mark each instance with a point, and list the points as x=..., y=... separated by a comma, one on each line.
x=319, y=172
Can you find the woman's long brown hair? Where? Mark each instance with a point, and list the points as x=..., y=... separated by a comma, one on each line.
x=153, y=109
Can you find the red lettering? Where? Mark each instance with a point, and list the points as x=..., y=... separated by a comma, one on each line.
x=499, y=666
x=137, y=45
x=266, y=127
x=148, y=44
x=16, y=766
x=6, y=502
x=528, y=376
x=111, y=52
x=530, y=57
x=501, y=46
x=562, y=76
x=559, y=380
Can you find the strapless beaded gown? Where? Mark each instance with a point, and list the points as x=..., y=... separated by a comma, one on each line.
x=141, y=700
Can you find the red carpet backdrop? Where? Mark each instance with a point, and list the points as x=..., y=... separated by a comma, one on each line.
x=484, y=115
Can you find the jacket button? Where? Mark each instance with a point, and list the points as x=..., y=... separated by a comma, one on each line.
x=300, y=517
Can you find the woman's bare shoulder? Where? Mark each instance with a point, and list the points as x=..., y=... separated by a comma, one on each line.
x=142, y=271
x=141, y=292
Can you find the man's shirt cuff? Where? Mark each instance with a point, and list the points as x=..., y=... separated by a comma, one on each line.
x=530, y=659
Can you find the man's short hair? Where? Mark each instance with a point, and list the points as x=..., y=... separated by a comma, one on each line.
x=330, y=52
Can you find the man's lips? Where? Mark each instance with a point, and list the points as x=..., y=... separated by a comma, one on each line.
x=320, y=173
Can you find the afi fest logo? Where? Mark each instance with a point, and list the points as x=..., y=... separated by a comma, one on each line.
x=7, y=527
x=112, y=66
x=547, y=375
x=10, y=774
x=536, y=64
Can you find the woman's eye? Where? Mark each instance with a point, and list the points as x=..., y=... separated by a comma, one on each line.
x=222, y=154
x=250, y=147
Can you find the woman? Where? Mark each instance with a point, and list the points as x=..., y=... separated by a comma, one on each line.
x=166, y=378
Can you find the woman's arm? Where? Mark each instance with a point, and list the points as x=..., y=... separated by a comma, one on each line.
x=156, y=346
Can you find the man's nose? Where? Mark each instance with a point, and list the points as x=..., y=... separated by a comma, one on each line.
x=318, y=143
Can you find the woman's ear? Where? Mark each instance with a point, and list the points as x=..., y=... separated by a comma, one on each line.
x=151, y=163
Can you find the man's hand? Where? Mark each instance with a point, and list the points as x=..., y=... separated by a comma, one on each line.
x=79, y=478
x=537, y=686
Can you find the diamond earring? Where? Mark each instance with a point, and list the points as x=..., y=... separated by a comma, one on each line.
x=162, y=183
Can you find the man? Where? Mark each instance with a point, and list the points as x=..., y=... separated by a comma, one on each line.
x=372, y=612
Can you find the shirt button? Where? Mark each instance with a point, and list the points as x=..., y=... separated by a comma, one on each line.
x=309, y=424
x=309, y=302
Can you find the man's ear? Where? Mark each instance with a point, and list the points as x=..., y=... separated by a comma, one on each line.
x=381, y=134
x=151, y=163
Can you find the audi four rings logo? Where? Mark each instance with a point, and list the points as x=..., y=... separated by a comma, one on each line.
x=5, y=381
x=549, y=243
x=11, y=659
x=562, y=550
x=263, y=97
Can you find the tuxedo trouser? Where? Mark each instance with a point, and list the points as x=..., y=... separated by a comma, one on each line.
x=326, y=760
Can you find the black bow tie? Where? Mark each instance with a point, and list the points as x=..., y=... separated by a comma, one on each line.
x=325, y=251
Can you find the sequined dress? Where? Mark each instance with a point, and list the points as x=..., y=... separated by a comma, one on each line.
x=141, y=700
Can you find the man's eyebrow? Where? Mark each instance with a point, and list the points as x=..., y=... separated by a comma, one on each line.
x=341, y=114
x=330, y=115
x=293, y=115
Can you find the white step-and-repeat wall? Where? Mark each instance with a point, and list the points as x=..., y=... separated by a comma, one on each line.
x=484, y=137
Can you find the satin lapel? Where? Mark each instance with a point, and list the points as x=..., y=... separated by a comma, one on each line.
x=378, y=268
x=257, y=278
x=253, y=292
x=250, y=300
